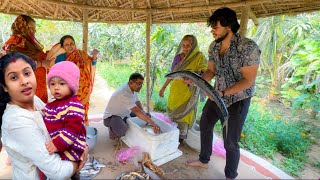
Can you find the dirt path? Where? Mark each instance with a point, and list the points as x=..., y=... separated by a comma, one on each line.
x=100, y=96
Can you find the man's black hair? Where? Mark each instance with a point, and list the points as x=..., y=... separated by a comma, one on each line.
x=135, y=76
x=226, y=17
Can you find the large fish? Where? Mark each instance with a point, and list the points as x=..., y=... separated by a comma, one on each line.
x=206, y=88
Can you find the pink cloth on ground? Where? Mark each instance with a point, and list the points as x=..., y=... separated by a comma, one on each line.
x=218, y=148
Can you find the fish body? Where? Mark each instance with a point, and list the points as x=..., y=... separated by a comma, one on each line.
x=149, y=129
x=91, y=168
x=206, y=88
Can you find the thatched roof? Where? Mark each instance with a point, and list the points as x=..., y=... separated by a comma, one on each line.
x=162, y=11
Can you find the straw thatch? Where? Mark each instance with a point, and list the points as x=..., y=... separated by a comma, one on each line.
x=162, y=11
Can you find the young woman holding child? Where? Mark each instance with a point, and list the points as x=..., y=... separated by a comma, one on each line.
x=24, y=133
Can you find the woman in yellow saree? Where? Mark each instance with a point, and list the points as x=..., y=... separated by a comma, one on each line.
x=183, y=98
x=86, y=65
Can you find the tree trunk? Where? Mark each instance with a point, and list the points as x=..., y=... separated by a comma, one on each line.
x=274, y=90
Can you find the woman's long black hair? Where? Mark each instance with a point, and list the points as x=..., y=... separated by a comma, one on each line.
x=4, y=62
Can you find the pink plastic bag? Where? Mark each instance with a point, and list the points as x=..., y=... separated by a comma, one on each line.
x=164, y=118
x=218, y=148
x=126, y=154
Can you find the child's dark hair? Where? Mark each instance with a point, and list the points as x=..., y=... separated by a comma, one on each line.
x=135, y=76
x=64, y=38
x=4, y=62
x=226, y=17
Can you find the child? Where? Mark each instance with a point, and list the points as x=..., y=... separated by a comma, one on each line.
x=64, y=117
x=24, y=133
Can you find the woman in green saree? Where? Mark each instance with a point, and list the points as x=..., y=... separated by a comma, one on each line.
x=183, y=98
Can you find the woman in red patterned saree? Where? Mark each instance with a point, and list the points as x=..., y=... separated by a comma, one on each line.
x=86, y=65
x=23, y=40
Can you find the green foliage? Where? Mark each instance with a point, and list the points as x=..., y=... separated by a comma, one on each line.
x=117, y=42
x=291, y=165
x=49, y=32
x=5, y=30
x=265, y=134
x=159, y=104
x=258, y=135
x=277, y=37
x=302, y=87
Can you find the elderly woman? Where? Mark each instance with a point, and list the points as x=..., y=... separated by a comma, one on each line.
x=86, y=65
x=23, y=40
x=182, y=101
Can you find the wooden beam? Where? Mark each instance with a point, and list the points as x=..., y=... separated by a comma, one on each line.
x=253, y=17
x=121, y=15
x=264, y=8
x=208, y=3
x=30, y=7
x=244, y=21
x=93, y=15
x=67, y=12
x=148, y=45
x=85, y=31
x=43, y=10
x=108, y=2
x=55, y=15
x=169, y=5
x=22, y=10
x=293, y=12
x=70, y=9
x=132, y=13
x=148, y=4
x=115, y=2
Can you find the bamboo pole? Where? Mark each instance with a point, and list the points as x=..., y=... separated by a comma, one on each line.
x=148, y=34
x=254, y=18
x=244, y=20
x=85, y=31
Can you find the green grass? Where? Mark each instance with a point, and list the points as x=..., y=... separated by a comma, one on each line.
x=114, y=74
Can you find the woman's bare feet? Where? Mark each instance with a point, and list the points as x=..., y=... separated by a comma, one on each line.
x=196, y=163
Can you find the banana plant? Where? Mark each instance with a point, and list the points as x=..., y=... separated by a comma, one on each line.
x=277, y=39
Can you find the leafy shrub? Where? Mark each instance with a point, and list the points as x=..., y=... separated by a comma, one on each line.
x=302, y=86
x=291, y=165
x=265, y=134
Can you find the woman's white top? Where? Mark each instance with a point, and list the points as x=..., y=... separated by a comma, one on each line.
x=24, y=135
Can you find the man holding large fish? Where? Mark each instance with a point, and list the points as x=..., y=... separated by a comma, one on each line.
x=234, y=62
